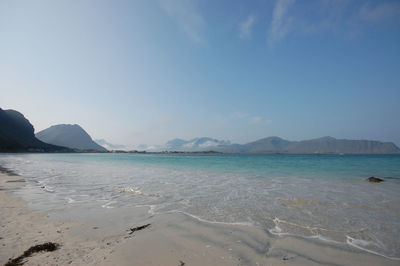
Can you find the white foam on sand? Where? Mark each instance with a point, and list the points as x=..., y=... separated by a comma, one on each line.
x=70, y=200
x=137, y=191
x=151, y=209
x=323, y=238
x=212, y=222
x=361, y=244
x=357, y=243
x=108, y=204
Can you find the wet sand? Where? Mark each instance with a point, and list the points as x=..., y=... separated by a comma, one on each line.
x=172, y=239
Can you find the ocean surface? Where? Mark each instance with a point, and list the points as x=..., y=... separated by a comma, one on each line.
x=312, y=196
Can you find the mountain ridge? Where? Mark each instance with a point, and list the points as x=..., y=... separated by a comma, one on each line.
x=319, y=145
x=71, y=136
x=17, y=135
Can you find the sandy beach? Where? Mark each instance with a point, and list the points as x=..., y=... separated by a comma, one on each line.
x=200, y=132
x=171, y=239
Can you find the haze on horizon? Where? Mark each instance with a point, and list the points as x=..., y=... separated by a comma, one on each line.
x=145, y=72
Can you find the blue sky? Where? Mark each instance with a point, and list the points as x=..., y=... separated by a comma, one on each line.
x=135, y=72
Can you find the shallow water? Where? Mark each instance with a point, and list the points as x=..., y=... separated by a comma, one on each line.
x=315, y=196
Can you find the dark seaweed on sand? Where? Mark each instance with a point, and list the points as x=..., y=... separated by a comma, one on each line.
x=49, y=246
x=134, y=229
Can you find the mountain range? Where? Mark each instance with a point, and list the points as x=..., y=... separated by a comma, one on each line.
x=319, y=145
x=71, y=136
x=17, y=135
x=279, y=145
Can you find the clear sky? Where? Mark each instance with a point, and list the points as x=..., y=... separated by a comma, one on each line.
x=144, y=72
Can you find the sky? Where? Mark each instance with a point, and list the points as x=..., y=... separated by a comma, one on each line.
x=145, y=72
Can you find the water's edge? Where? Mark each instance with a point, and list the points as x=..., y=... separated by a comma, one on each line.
x=282, y=205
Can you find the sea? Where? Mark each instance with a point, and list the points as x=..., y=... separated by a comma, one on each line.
x=316, y=196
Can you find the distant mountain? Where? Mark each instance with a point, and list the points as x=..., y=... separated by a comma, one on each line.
x=108, y=145
x=17, y=135
x=196, y=144
x=319, y=145
x=71, y=136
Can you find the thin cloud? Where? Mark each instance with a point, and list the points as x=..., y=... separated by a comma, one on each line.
x=246, y=26
x=188, y=18
x=380, y=12
x=324, y=16
x=281, y=22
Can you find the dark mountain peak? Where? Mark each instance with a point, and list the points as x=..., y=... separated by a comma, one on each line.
x=69, y=126
x=69, y=135
x=15, y=114
x=19, y=121
x=17, y=134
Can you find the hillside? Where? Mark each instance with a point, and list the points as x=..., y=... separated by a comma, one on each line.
x=319, y=145
x=71, y=136
x=17, y=135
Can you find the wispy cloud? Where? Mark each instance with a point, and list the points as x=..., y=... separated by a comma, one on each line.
x=344, y=17
x=188, y=18
x=246, y=26
x=381, y=11
x=281, y=21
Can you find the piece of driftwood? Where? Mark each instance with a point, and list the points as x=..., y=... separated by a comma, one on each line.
x=138, y=228
x=49, y=246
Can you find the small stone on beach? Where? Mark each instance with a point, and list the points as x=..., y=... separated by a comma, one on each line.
x=374, y=179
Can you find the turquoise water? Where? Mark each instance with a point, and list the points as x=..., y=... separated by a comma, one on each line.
x=308, y=166
x=313, y=196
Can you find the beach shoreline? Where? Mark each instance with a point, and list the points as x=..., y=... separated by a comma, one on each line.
x=171, y=239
